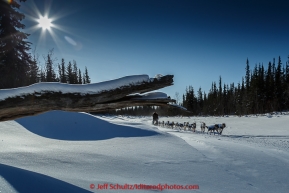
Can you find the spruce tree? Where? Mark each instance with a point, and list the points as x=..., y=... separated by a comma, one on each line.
x=69, y=72
x=75, y=72
x=220, y=98
x=79, y=77
x=14, y=47
x=247, y=77
x=86, y=76
x=205, y=103
x=278, y=85
x=83, y=79
x=287, y=85
x=200, y=100
x=62, y=71
x=269, y=87
x=261, y=90
x=33, y=71
x=225, y=100
x=50, y=73
x=287, y=71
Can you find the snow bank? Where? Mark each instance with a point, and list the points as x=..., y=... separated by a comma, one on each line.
x=73, y=88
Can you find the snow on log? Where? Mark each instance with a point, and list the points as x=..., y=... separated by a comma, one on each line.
x=103, y=96
x=45, y=87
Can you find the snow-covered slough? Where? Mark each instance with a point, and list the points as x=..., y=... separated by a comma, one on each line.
x=97, y=97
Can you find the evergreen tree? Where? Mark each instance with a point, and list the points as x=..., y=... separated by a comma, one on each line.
x=205, y=111
x=83, y=79
x=286, y=84
x=86, y=76
x=50, y=73
x=79, y=77
x=225, y=100
x=62, y=71
x=59, y=72
x=232, y=99
x=260, y=91
x=75, y=72
x=14, y=56
x=184, y=101
x=247, y=77
x=69, y=72
x=239, y=105
x=220, y=86
x=287, y=71
x=200, y=101
x=220, y=98
x=278, y=86
x=33, y=72
x=269, y=88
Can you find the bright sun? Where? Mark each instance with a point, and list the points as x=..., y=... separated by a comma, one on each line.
x=44, y=23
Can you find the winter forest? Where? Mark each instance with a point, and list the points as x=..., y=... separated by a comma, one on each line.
x=263, y=89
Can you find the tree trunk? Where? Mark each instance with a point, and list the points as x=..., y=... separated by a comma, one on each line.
x=33, y=103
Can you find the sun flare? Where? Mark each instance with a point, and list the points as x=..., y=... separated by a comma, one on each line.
x=44, y=23
x=47, y=26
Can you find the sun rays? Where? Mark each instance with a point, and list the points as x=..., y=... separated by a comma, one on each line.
x=45, y=24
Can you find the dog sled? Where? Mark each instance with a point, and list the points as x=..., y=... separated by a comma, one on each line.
x=155, y=122
x=215, y=129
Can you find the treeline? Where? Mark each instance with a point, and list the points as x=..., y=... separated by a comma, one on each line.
x=146, y=111
x=261, y=91
x=34, y=72
x=18, y=67
x=69, y=73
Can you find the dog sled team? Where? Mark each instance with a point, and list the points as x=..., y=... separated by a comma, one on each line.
x=216, y=128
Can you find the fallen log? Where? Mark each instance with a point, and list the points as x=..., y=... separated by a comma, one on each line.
x=43, y=97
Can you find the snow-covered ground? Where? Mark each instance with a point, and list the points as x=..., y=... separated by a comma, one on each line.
x=68, y=152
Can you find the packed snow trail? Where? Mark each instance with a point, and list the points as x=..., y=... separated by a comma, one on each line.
x=259, y=164
x=260, y=169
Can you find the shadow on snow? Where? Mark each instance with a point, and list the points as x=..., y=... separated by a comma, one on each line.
x=78, y=127
x=27, y=181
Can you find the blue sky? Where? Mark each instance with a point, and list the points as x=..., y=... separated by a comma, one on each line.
x=195, y=40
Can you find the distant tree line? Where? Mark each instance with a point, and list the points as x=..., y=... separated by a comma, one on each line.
x=261, y=91
x=69, y=73
x=147, y=111
x=18, y=67
x=135, y=111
